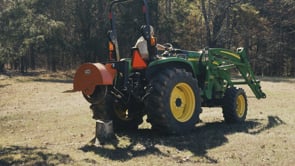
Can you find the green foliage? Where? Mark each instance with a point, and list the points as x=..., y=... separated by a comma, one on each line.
x=61, y=34
x=24, y=29
x=12, y=26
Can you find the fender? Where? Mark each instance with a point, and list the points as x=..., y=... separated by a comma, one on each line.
x=171, y=62
x=89, y=75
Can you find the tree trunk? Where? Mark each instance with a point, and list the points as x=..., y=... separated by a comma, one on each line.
x=32, y=58
x=23, y=64
x=53, y=64
x=2, y=69
x=206, y=18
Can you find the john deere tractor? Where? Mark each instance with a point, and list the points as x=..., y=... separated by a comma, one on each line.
x=169, y=88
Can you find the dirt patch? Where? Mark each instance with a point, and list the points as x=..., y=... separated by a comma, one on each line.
x=40, y=124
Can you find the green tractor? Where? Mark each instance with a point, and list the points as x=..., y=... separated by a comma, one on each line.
x=169, y=88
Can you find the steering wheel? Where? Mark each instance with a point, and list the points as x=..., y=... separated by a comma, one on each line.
x=168, y=49
x=169, y=46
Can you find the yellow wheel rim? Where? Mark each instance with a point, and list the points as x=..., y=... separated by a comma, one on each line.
x=121, y=113
x=241, y=106
x=182, y=102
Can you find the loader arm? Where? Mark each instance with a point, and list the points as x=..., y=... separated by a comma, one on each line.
x=224, y=59
x=247, y=73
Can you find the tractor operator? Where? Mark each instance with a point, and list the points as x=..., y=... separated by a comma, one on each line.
x=142, y=46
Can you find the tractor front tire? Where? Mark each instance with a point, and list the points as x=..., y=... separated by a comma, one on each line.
x=173, y=105
x=235, y=105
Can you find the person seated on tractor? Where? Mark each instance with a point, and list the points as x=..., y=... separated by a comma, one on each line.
x=142, y=44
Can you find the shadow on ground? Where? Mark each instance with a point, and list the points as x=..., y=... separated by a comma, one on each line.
x=19, y=155
x=51, y=80
x=277, y=79
x=5, y=85
x=39, y=76
x=199, y=141
x=145, y=142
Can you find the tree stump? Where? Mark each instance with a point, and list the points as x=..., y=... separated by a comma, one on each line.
x=104, y=132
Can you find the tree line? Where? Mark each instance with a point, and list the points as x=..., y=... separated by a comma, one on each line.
x=61, y=34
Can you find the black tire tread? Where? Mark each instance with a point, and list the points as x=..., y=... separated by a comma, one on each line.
x=156, y=103
x=229, y=105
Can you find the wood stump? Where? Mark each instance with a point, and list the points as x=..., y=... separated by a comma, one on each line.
x=104, y=132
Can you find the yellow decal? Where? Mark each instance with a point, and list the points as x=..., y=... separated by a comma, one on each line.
x=192, y=59
x=231, y=54
x=215, y=63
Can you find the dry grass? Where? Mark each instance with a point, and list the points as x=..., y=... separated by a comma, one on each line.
x=39, y=124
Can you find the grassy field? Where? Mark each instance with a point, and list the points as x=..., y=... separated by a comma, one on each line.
x=40, y=124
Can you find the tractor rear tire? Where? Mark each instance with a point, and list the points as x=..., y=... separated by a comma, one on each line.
x=235, y=105
x=174, y=104
x=124, y=117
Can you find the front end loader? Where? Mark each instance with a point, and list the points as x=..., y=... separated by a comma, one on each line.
x=169, y=88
